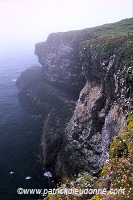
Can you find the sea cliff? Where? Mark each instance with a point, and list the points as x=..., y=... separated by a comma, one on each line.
x=83, y=90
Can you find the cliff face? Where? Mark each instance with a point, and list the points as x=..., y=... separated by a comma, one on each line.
x=59, y=57
x=103, y=103
x=83, y=91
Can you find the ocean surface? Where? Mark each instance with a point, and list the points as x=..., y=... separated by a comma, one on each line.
x=19, y=132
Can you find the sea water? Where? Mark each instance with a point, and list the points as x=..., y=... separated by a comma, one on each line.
x=19, y=132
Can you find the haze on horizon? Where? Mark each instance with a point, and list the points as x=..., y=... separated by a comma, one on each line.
x=26, y=22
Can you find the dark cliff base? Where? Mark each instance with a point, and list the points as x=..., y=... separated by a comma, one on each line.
x=83, y=92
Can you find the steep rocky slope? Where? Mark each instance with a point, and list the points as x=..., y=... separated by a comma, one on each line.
x=104, y=101
x=83, y=92
x=114, y=182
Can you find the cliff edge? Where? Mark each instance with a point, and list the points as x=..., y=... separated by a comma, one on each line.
x=83, y=90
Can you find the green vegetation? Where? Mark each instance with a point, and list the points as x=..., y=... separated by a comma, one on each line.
x=117, y=173
x=110, y=40
x=123, y=143
x=103, y=48
x=103, y=42
x=121, y=28
x=99, y=46
x=83, y=181
x=119, y=168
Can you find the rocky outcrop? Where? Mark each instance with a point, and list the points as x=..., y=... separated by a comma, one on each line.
x=103, y=103
x=83, y=92
x=59, y=57
x=52, y=91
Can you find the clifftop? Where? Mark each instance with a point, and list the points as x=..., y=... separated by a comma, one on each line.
x=83, y=91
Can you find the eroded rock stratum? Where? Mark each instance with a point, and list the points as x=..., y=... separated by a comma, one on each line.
x=83, y=90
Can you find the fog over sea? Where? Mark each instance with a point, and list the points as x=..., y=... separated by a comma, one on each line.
x=19, y=131
x=22, y=24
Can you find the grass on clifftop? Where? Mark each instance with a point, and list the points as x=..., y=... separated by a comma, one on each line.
x=117, y=173
x=121, y=28
x=103, y=45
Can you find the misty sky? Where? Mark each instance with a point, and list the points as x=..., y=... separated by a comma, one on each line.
x=24, y=22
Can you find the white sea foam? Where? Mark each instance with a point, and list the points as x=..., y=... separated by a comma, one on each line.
x=14, y=79
x=48, y=174
x=28, y=177
x=11, y=172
